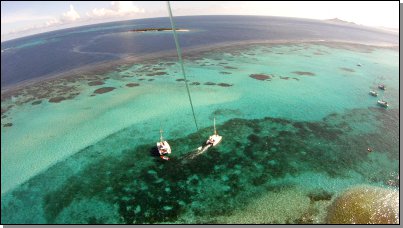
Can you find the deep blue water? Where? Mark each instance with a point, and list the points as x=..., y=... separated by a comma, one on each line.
x=54, y=52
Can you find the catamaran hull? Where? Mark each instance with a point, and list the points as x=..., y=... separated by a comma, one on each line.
x=164, y=157
x=163, y=148
x=217, y=139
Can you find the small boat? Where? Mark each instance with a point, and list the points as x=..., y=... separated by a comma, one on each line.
x=163, y=146
x=383, y=103
x=373, y=93
x=381, y=86
x=215, y=138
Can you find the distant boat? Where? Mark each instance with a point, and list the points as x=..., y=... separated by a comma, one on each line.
x=163, y=147
x=373, y=93
x=383, y=103
x=381, y=86
x=359, y=64
x=215, y=138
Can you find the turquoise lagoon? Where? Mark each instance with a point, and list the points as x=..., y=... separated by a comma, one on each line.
x=296, y=120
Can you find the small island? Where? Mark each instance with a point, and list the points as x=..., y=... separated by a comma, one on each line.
x=157, y=30
x=339, y=21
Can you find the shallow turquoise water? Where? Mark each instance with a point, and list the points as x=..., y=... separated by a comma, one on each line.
x=304, y=130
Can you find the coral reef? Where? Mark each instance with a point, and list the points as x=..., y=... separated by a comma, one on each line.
x=365, y=205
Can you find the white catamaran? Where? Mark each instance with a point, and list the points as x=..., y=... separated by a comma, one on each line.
x=163, y=147
x=214, y=139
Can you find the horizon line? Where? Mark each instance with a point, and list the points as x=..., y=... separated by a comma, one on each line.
x=389, y=29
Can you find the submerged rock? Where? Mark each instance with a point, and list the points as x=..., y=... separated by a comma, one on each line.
x=56, y=99
x=132, y=84
x=224, y=84
x=365, y=205
x=156, y=73
x=104, y=90
x=260, y=77
x=305, y=73
x=36, y=102
x=347, y=69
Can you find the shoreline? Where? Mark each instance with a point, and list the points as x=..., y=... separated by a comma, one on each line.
x=106, y=65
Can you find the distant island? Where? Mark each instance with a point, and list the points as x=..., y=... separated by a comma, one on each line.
x=157, y=30
x=339, y=21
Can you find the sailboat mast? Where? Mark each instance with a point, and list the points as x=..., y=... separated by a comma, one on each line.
x=161, y=135
x=178, y=50
x=215, y=131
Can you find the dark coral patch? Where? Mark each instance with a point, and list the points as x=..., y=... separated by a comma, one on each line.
x=95, y=83
x=132, y=84
x=156, y=73
x=180, y=80
x=151, y=79
x=195, y=83
x=230, y=67
x=253, y=138
x=36, y=102
x=346, y=69
x=224, y=84
x=320, y=195
x=158, y=192
x=8, y=125
x=210, y=83
x=305, y=73
x=56, y=99
x=284, y=78
x=224, y=72
x=104, y=90
x=260, y=77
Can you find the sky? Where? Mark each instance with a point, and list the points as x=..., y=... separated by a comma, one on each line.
x=22, y=18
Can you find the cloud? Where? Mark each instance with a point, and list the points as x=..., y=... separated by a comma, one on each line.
x=70, y=15
x=117, y=9
x=66, y=18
